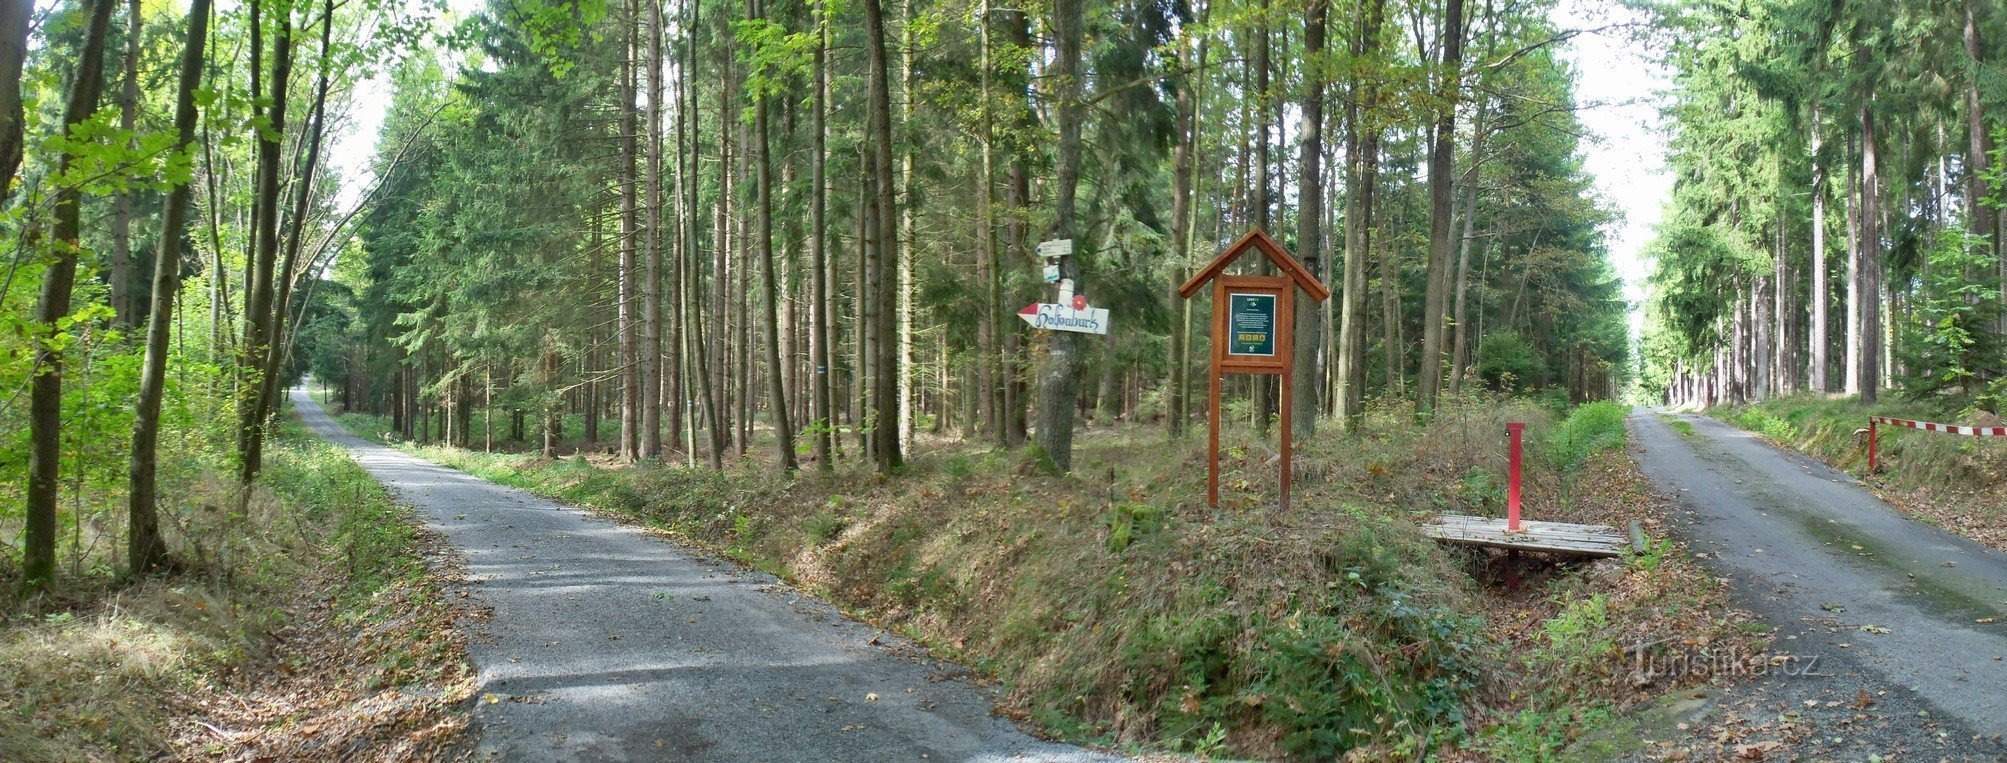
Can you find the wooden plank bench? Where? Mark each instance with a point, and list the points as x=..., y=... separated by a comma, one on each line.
x=1549, y=537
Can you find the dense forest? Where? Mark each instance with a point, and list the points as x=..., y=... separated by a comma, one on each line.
x=697, y=219
x=1835, y=221
x=675, y=230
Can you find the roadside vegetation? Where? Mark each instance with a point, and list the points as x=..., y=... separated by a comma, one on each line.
x=309, y=627
x=1956, y=482
x=1117, y=608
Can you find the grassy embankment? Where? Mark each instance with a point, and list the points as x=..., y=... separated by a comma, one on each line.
x=1119, y=609
x=1955, y=482
x=310, y=628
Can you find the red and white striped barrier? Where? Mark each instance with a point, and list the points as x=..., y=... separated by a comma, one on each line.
x=1874, y=433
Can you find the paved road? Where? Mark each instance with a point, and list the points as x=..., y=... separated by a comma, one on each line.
x=610, y=644
x=1871, y=601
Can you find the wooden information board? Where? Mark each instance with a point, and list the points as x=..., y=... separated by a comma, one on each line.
x=1254, y=318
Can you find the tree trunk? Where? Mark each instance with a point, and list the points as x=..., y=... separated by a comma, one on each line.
x=1854, y=280
x=886, y=450
x=1979, y=220
x=1820, y=343
x=1442, y=150
x=1262, y=201
x=1870, y=336
x=650, y=445
x=259, y=286
x=278, y=341
x=124, y=277
x=45, y=401
x=819, y=329
x=1058, y=385
x=1361, y=167
x=14, y=16
x=144, y=549
x=1309, y=239
x=776, y=390
x=903, y=245
x=627, y=312
x=1183, y=158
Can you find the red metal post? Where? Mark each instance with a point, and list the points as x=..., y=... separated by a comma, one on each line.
x=1515, y=430
x=1874, y=458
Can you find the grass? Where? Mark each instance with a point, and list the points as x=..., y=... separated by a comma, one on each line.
x=114, y=670
x=1118, y=608
x=1955, y=482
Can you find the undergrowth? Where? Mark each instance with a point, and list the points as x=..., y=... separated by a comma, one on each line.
x=116, y=670
x=1118, y=608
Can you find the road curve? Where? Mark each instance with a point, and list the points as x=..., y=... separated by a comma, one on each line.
x=609, y=644
x=1911, y=614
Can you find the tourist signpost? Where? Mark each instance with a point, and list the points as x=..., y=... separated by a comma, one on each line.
x=1253, y=318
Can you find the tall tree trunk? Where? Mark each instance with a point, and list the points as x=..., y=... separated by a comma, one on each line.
x=259, y=295
x=1459, y=315
x=144, y=549
x=1820, y=342
x=651, y=277
x=1870, y=336
x=1442, y=150
x=905, y=243
x=278, y=341
x=819, y=329
x=1309, y=239
x=124, y=275
x=990, y=374
x=14, y=16
x=886, y=445
x=1183, y=159
x=45, y=397
x=776, y=389
x=1362, y=168
x=1016, y=231
x=693, y=292
x=1263, y=398
x=1058, y=386
x=1855, y=274
x=1980, y=221
x=628, y=307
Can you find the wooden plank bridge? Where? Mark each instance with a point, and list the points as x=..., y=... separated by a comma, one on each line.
x=1548, y=537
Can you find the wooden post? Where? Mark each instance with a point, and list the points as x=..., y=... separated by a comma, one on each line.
x=1874, y=460
x=1514, y=431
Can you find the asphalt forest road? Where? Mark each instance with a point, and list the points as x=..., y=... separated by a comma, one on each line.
x=1863, y=600
x=606, y=643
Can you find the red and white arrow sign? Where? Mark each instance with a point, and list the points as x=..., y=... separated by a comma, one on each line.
x=1051, y=317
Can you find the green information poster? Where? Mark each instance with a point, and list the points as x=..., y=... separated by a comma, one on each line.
x=1251, y=324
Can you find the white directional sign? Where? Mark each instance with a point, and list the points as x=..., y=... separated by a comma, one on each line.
x=1051, y=317
x=1055, y=248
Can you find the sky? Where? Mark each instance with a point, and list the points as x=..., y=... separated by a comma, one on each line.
x=1621, y=81
x=1618, y=83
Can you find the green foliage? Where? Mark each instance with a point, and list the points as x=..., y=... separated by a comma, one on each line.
x=1767, y=424
x=1506, y=362
x=1947, y=339
x=1589, y=429
x=1129, y=521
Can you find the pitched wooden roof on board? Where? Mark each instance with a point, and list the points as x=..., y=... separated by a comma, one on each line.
x=1259, y=241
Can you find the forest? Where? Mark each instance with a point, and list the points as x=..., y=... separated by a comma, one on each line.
x=714, y=223
x=1835, y=224
x=780, y=248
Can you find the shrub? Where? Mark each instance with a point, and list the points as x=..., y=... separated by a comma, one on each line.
x=1590, y=429
x=1506, y=362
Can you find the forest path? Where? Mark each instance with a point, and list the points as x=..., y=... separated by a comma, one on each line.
x=1864, y=599
x=607, y=643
